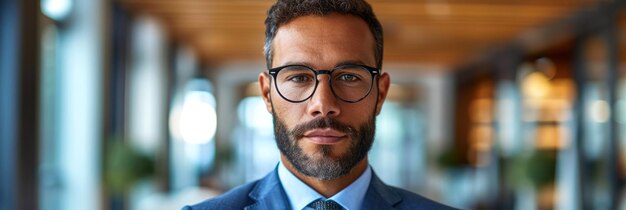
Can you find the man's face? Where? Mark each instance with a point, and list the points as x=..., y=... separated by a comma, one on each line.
x=324, y=137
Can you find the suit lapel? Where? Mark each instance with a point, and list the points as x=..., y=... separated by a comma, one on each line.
x=269, y=194
x=380, y=196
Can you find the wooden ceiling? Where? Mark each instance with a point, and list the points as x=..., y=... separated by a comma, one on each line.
x=433, y=32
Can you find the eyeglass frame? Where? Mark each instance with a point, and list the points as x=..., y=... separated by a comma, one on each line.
x=374, y=72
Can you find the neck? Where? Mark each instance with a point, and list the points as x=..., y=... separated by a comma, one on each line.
x=328, y=188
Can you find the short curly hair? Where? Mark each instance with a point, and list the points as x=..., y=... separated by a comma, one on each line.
x=284, y=11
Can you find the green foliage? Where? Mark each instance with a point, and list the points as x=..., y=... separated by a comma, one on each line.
x=538, y=168
x=450, y=159
x=124, y=166
x=541, y=168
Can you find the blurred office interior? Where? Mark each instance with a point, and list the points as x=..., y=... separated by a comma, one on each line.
x=153, y=104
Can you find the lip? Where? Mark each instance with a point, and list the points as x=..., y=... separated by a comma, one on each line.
x=324, y=136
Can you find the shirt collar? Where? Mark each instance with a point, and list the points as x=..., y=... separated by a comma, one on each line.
x=300, y=195
x=352, y=196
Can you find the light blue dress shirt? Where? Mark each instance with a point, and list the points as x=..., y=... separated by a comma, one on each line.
x=300, y=195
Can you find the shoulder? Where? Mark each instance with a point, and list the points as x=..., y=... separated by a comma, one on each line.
x=236, y=198
x=397, y=198
x=412, y=200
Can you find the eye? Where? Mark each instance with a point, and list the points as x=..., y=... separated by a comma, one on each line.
x=299, y=78
x=296, y=74
x=348, y=77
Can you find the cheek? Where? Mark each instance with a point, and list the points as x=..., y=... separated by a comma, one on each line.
x=367, y=106
x=289, y=113
x=357, y=113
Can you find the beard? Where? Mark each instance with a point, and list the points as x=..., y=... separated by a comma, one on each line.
x=324, y=167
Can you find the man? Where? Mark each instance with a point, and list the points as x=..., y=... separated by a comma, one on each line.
x=324, y=88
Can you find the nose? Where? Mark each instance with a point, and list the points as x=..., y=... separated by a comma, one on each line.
x=323, y=102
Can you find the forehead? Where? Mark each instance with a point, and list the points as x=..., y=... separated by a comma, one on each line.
x=324, y=41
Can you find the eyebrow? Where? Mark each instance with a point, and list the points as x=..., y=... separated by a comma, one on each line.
x=350, y=62
x=342, y=63
x=297, y=63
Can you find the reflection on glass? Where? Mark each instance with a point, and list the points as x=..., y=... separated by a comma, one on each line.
x=257, y=150
x=534, y=131
x=192, y=125
x=389, y=147
x=50, y=187
x=398, y=154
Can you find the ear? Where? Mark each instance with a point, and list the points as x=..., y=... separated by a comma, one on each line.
x=383, y=88
x=266, y=87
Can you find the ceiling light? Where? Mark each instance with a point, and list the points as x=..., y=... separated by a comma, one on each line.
x=57, y=10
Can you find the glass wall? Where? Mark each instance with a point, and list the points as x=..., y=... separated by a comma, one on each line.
x=50, y=185
x=543, y=124
x=71, y=67
x=620, y=109
x=255, y=137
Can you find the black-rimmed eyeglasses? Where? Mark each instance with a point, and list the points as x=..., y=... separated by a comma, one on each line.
x=350, y=83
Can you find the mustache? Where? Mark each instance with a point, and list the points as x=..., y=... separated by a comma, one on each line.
x=321, y=123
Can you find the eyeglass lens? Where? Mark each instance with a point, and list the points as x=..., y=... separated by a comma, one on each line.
x=349, y=83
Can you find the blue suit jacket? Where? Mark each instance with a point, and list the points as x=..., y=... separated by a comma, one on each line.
x=268, y=193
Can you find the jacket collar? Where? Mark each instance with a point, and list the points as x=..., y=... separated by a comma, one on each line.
x=269, y=194
x=379, y=195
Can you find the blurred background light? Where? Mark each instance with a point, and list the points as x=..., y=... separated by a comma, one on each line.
x=599, y=111
x=56, y=9
x=536, y=85
x=198, y=121
x=620, y=107
x=546, y=66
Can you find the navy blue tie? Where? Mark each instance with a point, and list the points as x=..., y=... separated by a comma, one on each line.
x=325, y=205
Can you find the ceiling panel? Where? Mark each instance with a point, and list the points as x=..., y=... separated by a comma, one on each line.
x=443, y=33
